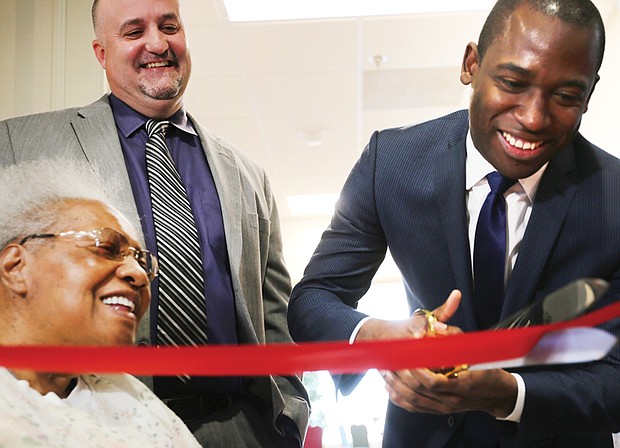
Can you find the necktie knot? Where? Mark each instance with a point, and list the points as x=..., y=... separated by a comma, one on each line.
x=154, y=127
x=498, y=183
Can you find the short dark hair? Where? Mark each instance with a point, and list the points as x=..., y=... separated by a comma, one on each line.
x=93, y=13
x=581, y=13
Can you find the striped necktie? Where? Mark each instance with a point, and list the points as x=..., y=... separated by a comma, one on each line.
x=490, y=252
x=181, y=318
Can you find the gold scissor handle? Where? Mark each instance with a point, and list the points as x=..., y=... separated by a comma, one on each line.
x=450, y=372
x=430, y=320
x=453, y=372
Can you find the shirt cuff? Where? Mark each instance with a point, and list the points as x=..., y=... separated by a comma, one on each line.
x=515, y=415
x=357, y=329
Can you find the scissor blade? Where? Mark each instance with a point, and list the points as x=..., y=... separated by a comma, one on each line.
x=564, y=304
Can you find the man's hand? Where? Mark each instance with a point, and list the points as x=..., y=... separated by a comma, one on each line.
x=416, y=326
x=422, y=390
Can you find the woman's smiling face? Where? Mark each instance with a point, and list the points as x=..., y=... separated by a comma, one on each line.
x=74, y=295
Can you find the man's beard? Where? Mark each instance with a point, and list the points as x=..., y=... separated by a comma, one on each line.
x=162, y=92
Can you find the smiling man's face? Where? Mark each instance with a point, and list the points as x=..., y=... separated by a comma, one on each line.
x=142, y=46
x=530, y=90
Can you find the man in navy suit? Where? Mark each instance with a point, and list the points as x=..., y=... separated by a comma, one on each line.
x=419, y=191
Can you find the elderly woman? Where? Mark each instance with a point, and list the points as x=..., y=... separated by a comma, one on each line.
x=72, y=273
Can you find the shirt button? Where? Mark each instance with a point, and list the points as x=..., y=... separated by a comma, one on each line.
x=451, y=421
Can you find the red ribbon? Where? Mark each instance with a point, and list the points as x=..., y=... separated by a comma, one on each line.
x=287, y=359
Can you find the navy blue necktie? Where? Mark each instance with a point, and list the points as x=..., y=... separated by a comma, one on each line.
x=490, y=252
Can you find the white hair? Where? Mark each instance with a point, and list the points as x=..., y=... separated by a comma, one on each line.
x=29, y=192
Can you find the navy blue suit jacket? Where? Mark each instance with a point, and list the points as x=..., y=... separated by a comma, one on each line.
x=407, y=193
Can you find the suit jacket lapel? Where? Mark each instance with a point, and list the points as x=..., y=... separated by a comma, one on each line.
x=228, y=184
x=452, y=205
x=95, y=130
x=553, y=199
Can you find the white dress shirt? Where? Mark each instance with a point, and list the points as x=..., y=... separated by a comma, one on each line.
x=519, y=200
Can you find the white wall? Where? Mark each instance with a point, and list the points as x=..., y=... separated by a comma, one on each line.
x=600, y=123
x=49, y=63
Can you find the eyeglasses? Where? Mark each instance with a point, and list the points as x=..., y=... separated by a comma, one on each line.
x=107, y=243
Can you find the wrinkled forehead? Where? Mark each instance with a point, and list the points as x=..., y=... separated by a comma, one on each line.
x=87, y=214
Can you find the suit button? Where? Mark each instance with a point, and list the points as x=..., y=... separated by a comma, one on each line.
x=451, y=421
x=143, y=343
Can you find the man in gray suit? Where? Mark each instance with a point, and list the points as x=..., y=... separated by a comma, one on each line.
x=142, y=47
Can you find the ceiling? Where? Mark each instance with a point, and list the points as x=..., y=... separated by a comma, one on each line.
x=303, y=97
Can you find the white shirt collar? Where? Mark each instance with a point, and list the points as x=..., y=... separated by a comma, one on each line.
x=477, y=167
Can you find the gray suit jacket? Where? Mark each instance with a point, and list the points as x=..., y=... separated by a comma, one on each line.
x=260, y=280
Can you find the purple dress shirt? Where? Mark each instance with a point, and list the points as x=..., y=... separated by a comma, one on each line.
x=186, y=151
